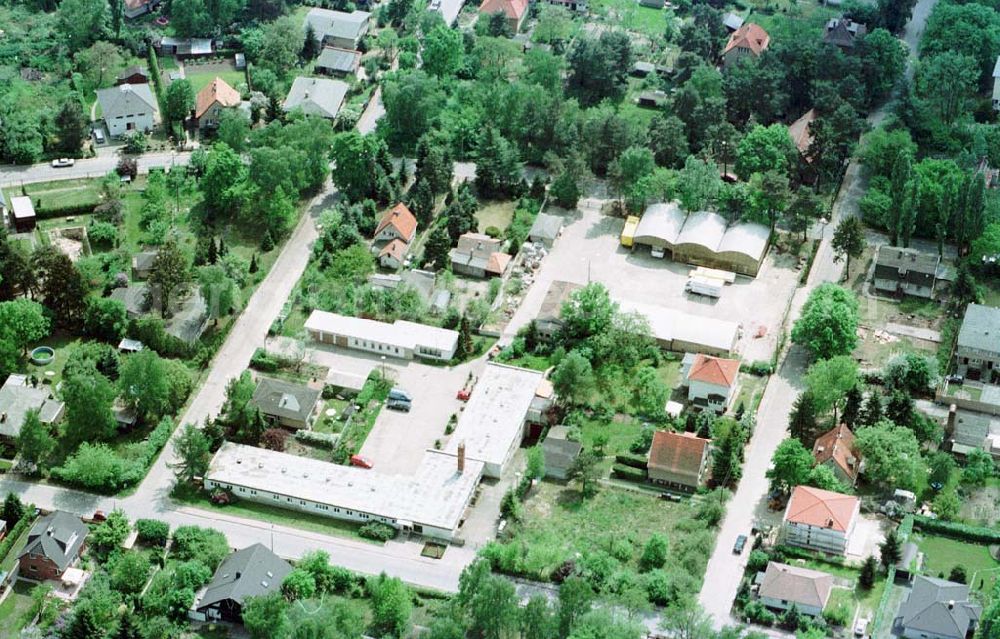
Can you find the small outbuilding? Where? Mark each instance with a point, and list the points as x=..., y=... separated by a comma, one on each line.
x=560, y=453
x=546, y=229
x=22, y=214
x=337, y=61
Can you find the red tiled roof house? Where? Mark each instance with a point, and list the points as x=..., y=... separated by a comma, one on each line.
x=712, y=382
x=820, y=519
x=398, y=223
x=514, y=10
x=677, y=460
x=835, y=449
x=748, y=40
x=214, y=97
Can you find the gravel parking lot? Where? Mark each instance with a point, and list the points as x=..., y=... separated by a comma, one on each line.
x=589, y=250
x=398, y=440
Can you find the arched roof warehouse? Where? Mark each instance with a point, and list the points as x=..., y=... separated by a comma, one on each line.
x=660, y=225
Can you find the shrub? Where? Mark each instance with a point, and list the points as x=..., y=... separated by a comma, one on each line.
x=838, y=615
x=628, y=473
x=204, y=544
x=263, y=362
x=378, y=531
x=323, y=440
x=757, y=561
x=493, y=231
x=152, y=532
x=760, y=369
x=957, y=530
x=274, y=439
x=635, y=461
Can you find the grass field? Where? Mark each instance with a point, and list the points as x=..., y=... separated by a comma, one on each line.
x=14, y=609
x=498, y=214
x=941, y=554
x=199, y=79
x=629, y=15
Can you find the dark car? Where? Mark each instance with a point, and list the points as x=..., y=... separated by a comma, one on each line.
x=957, y=380
x=741, y=543
x=398, y=404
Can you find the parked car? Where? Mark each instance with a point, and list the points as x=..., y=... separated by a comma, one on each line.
x=957, y=380
x=399, y=394
x=861, y=627
x=464, y=394
x=399, y=404
x=99, y=516
x=63, y=162
x=99, y=136
x=361, y=462
x=740, y=544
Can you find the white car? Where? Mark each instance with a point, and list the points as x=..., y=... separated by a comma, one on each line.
x=861, y=627
x=62, y=163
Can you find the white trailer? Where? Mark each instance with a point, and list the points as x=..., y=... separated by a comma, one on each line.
x=705, y=286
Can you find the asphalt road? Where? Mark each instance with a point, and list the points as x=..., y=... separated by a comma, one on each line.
x=12, y=175
x=749, y=503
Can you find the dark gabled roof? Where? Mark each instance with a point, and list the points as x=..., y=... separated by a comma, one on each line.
x=284, y=399
x=939, y=607
x=133, y=70
x=343, y=60
x=57, y=536
x=844, y=32
x=906, y=260
x=250, y=572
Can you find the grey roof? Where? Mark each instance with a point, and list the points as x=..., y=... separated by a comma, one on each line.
x=844, y=32
x=971, y=429
x=250, y=572
x=907, y=259
x=133, y=297
x=442, y=297
x=285, y=399
x=193, y=46
x=338, y=24
x=797, y=585
x=143, y=260
x=732, y=21
x=133, y=70
x=558, y=294
x=57, y=536
x=908, y=557
x=125, y=99
x=939, y=607
x=546, y=227
x=343, y=60
x=560, y=453
x=980, y=328
x=17, y=398
x=449, y=9
x=422, y=281
x=316, y=96
x=189, y=316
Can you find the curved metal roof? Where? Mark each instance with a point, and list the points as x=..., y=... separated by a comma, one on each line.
x=660, y=224
x=745, y=238
x=703, y=229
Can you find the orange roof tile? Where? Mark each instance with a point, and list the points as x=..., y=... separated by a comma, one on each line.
x=714, y=370
x=801, y=135
x=821, y=508
x=679, y=453
x=513, y=9
x=216, y=91
x=498, y=263
x=837, y=444
x=401, y=219
x=396, y=248
x=749, y=36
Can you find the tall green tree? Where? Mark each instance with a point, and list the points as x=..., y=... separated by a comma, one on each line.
x=391, y=606
x=848, y=241
x=22, y=322
x=89, y=397
x=34, y=442
x=443, y=51
x=178, y=101
x=71, y=125
x=828, y=323
x=171, y=269
x=82, y=22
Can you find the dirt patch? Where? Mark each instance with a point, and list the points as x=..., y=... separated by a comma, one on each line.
x=981, y=508
x=498, y=214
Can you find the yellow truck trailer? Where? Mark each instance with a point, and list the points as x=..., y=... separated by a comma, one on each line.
x=628, y=233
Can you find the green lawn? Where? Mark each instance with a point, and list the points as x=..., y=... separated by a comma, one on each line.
x=186, y=494
x=62, y=344
x=941, y=554
x=199, y=79
x=629, y=15
x=61, y=193
x=497, y=214
x=11, y=558
x=330, y=424
x=14, y=609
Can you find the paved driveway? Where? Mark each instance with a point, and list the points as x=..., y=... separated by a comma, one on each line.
x=400, y=439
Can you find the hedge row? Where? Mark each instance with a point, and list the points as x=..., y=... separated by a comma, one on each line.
x=43, y=212
x=378, y=531
x=325, y=440
x=964, y=532
x=15, y=533
x=635, y=461
x=628, y=473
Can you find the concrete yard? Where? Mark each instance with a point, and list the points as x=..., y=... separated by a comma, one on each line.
x=399, y=439
x=589, y=250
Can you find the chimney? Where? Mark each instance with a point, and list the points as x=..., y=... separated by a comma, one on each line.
x=952, y=418
x=461, y=457
x=238, y=575
x=951, y=604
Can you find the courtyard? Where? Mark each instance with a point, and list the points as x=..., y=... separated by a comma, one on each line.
x=589, y=250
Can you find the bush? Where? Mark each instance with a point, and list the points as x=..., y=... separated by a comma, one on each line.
x=838, y=615
x=629, y=473
x=956, y=530
x=323, y=440
x=263, y=362
x=493, y=231
x=635, y=461
x=152, y=532
x=45, y=212
x=378, y=531
x=760, y=369
x=758, y=613
x=204, y=544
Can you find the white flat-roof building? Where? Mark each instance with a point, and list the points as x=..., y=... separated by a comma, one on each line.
x=401, y=339
x=492, y=424
x=431, y=502
x=682, y=332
